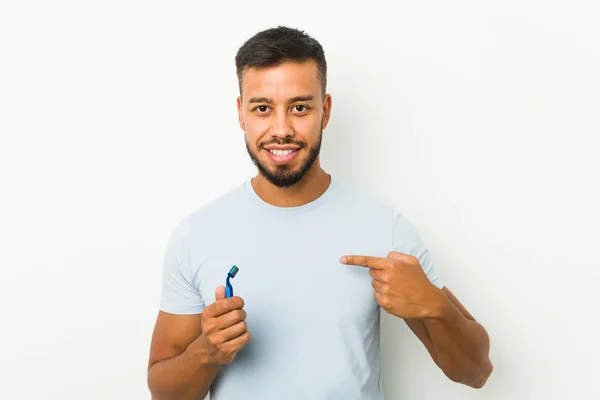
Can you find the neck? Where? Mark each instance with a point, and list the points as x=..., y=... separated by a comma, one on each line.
x=309, y=188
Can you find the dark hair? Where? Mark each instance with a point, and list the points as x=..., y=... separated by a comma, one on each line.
x=275, y=46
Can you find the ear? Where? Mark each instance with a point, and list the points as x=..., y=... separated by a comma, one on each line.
x=240, y=109
x=326, y=111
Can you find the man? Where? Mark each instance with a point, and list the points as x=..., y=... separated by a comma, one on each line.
x=317, y=261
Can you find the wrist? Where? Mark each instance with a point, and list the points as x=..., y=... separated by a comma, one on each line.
x=438, y=309
x=197, y=351
x=444, y=313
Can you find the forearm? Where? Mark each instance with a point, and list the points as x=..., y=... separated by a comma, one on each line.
x=461, y=344
x=186, y=376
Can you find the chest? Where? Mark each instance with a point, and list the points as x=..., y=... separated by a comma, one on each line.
x=294, y=277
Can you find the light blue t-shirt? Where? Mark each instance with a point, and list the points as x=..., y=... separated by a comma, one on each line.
x=314, y=322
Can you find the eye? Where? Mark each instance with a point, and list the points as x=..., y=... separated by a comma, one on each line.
x=261, y=110
x=301, y=108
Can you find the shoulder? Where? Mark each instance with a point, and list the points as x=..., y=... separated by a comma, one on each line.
x=221, y=206
x=362, y=202
x=368, y=206
x=210, y=215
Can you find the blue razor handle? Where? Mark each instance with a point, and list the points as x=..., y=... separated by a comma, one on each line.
x=228, y=288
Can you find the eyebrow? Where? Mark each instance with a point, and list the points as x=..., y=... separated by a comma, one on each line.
x=270, y=101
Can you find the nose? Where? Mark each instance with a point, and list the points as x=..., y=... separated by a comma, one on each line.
x=281, y=126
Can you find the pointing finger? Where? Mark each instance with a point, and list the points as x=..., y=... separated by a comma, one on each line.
x=364, y=261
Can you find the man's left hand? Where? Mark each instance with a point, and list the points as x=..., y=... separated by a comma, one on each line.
x=401, y=286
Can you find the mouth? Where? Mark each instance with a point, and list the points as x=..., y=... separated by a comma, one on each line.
x=282, y=155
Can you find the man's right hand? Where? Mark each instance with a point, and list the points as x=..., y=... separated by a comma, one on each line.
x=224, y=329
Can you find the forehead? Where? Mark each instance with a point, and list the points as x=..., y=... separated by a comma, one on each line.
x=281, y=82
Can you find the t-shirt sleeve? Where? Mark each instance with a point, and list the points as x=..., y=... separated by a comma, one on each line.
x=179, y=294
x=407, y=240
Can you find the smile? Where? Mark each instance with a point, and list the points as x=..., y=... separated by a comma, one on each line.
x=281, y=152
x=282, y=156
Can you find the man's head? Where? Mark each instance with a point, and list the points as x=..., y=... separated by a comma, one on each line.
x=283, y=106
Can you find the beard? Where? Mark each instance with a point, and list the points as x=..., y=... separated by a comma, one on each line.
x=285, y=175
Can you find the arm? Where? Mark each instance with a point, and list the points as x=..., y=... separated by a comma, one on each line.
x=456, y=342
x=179, y=366
x=191, y=340
x=187, y=350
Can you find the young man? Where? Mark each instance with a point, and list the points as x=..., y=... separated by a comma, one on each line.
x=317, y=261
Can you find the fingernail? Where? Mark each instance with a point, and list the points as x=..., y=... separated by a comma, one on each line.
x=343, y=260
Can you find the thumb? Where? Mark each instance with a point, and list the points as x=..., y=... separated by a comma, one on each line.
x=220, y=293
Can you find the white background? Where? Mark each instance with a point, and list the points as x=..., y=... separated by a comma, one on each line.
x=479, y=120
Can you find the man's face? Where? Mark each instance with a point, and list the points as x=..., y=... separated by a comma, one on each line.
x=283, y=113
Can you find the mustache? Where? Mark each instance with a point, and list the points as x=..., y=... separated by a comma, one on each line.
x=284, y=142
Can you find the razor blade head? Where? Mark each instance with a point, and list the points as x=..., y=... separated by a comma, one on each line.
x=234, y=270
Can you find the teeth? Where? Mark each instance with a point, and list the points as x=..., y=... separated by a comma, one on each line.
x=281, y=152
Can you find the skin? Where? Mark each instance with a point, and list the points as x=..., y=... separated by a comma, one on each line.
x=455, y=341
x=281, y=118
x=187, y=350
x=285, y=105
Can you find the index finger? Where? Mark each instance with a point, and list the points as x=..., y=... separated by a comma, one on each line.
x=223, y=306
x=364, y=261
